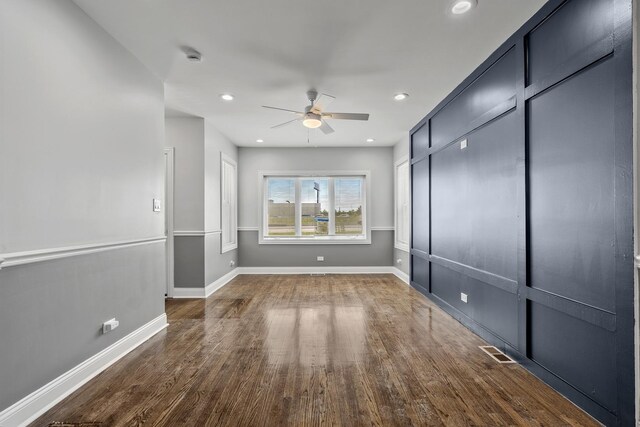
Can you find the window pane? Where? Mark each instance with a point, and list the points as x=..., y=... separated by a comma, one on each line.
x=348, y=205
x=315, y=206
x=281, y=207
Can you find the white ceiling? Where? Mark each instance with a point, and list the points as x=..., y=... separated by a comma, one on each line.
x=270, y=52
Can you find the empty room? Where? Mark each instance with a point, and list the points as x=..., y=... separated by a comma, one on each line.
x=309, y=213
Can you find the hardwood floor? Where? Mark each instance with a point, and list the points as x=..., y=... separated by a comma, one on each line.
x=300, y=350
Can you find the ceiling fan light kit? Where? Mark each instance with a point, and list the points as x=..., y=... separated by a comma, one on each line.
x=314, y=116
x=458, y=7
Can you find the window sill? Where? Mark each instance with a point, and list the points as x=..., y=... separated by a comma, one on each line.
x=318, y=240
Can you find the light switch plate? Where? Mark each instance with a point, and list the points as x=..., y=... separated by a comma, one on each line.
x=463, y=144
x=463, y=297
x=156, y=205
x=320, y=258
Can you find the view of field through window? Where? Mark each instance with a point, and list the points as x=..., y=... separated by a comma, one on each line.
x=314, y=203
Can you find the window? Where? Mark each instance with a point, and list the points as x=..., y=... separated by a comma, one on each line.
x=402, y=200
x=314, y=207
x=228, y=203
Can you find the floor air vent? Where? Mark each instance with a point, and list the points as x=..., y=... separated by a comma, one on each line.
x=496, y=354
x=318, y=274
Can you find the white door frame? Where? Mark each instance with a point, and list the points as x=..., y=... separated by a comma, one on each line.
x=169, y=156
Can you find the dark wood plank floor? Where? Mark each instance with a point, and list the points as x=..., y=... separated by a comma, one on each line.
x=300, y=350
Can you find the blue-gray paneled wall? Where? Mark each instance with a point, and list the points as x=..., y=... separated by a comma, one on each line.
x=533, y=218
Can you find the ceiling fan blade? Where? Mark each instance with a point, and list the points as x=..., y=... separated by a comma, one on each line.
x=284, y=124
x=323, y=100
x=325, y=128
x=346, y=116
x=282, y=109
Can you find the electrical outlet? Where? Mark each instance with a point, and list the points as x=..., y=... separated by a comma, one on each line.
x=156, y=205
x=232, y=263
x=109, y=325
x=320, y=258
x=463, y=144
x=399, y=261
x=463, y=297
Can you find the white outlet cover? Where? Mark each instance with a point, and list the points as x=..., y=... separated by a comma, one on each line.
x=156, y=205
x=463, y=144
x=320, y=258
x=463, y=297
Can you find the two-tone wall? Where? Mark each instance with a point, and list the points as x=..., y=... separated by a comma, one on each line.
x=198, y=260
x=522, y=185
x=81, y=141
x=379, y=161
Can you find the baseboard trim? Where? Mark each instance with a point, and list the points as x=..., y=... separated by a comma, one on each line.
x=31, y=407
x=402, y=275
x=208, y=290
x=326, y=270
x=212, y=287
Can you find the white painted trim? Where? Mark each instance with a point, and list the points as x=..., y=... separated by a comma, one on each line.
x=326, y=270
x=302, y=240
x=29, y=257
x=401, y=275
x=208, y=290
x=401, y=161
x=169, y=215
x=230, y=242
x=32, y=406
x=195, y=233
x=383, y=228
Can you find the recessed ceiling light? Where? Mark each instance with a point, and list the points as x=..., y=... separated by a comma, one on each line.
x=259, y=140
x=370, y=139
x=459, y=7
x=400, y=96
x=227, y=97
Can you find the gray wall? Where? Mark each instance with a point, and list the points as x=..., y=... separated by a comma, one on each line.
x=81, y=131
x=400, y=151
x=186, y=135
x=377, y=160
x=378, y=253
x=198, y=147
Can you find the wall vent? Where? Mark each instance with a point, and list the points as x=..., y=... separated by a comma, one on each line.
x=496, y=354
x=318, y=274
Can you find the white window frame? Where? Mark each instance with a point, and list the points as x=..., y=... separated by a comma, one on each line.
x=365, y=239
x=402, y=213
x=228, y=234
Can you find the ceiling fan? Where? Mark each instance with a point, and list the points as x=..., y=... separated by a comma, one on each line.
x=314, y=115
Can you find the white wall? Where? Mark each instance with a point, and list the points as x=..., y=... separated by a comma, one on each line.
x=378, y=160
x=214, y=144
x=401, y=258
x=81, y=158
x=186, y=135
x=198, y=145
x=81, y=125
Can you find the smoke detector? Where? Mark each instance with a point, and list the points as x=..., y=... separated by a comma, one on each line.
x=192, y=54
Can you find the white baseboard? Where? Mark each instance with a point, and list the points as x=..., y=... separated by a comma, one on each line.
x=31, y=407
x=327, y=270
x=208, y=290
x=401, y=275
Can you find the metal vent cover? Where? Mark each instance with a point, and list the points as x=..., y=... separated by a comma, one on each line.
x=496, y=354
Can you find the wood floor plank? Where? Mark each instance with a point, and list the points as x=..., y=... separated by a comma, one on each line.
x=302, y=350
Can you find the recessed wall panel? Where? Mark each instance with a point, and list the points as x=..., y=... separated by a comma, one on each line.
x=473, y=199
x=420, y=141
x=496, y=86
x=571, y=188
x=578, y=30
x=420, y=205
x=578, y=352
